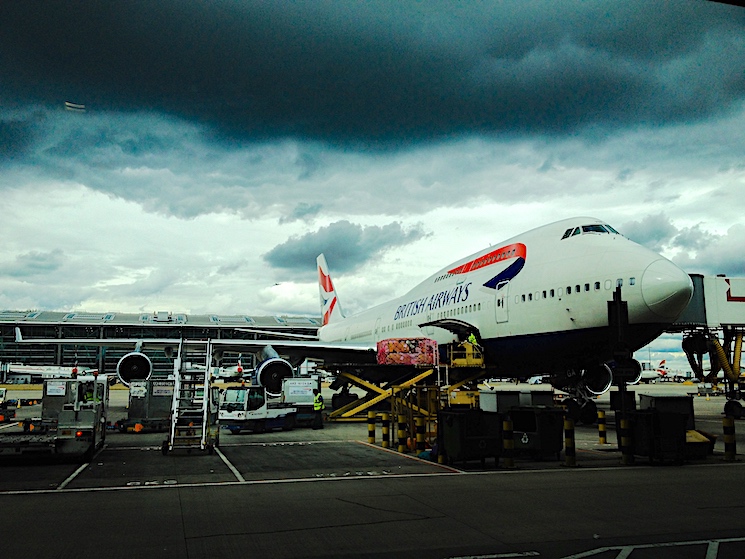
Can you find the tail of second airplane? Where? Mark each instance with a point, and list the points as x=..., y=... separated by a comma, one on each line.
x=330, y=307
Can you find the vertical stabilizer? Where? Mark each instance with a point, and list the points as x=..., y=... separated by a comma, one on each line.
x=330, y=307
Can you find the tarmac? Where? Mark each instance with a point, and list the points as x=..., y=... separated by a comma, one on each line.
x=328, y=493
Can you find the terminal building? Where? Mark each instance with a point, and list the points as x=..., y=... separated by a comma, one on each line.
x=98, y=326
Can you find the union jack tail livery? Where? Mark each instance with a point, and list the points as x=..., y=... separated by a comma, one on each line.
x=330, y=307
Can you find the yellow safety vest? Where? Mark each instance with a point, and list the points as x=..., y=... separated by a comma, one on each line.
x=318, y=402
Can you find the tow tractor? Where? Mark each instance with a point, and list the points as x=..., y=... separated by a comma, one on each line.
x=72, y=422
x=249, y=407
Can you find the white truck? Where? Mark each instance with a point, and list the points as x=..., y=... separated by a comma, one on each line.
x=249, y=407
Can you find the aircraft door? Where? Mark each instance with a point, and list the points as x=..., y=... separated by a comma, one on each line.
x=501, y=302
x=376, y=333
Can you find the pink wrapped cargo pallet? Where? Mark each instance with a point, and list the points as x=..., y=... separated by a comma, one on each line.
x=407, y=351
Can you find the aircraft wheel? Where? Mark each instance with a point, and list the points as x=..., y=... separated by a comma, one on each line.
x=588, y=414
x=733, y=408
x=573, y=409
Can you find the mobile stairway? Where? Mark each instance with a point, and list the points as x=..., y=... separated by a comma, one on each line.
x=194, y=410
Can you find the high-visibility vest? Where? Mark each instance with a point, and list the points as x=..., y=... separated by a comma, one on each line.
x=318, y=402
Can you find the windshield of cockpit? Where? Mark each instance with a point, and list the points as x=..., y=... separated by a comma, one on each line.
x=593, y=228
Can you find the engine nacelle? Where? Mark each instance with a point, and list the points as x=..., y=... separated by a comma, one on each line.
x=594, y=381
x=598, y=379
x=134, y=366
x=270, y=374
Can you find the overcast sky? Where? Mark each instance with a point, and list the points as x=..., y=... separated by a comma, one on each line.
x=224, y=144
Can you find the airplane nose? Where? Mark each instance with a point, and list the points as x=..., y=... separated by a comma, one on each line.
x=666, y=289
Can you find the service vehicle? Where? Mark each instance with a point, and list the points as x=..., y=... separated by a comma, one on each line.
x=72, y=422
x=7, y=410
x=249, y=407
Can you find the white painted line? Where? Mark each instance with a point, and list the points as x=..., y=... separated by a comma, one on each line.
x=75, y=474
x=230, y=466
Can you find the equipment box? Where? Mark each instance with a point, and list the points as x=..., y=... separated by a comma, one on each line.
x=538, y=430
x=465, y=435
x=502, y=401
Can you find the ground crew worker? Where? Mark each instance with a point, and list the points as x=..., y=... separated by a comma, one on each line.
x=318, y=407
x=472, y=339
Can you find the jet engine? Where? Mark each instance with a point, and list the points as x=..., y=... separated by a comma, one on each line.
x=270, y=374
x=133, y=366
x=597, y=380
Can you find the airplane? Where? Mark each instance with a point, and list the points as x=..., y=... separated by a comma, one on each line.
x=538, y=304
x=648, y=374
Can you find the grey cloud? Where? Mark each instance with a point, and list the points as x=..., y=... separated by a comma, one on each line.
x=302, y=211
x=380, y=74
x=36, y=263
x=716, y=254
x=652, y=231
x=346, y=246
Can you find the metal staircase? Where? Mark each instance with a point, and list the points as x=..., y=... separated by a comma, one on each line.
x=193, y=414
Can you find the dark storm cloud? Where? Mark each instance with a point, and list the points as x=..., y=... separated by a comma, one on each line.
x=345, y=244
x=379, y=73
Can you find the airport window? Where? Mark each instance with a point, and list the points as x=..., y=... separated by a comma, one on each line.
x=597, y=285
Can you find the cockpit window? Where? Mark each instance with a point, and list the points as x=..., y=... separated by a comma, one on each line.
x=609, y=228
x=594, y=228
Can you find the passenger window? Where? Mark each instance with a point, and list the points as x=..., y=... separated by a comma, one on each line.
x=569, y=289
x=523, y=298
x=619, y=282
x=632, y=281
x=608, y=284
x=552, y=293
x=587, y=287
x=544, y=294
x=530, y=296
x=597, y=285
x=576, y=288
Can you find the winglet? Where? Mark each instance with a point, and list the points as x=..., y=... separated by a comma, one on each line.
x=330, y=307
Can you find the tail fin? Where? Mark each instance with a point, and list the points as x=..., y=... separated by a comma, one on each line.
x=330, y=307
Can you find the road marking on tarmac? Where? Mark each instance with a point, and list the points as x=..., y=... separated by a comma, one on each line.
x=230, y=466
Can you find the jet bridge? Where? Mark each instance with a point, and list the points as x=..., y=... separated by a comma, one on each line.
x=713, y=325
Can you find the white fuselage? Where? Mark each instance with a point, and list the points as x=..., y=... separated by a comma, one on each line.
x=542, y=291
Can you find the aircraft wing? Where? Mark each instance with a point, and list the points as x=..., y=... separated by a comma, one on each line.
x=299, y=350
x=296, y=350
